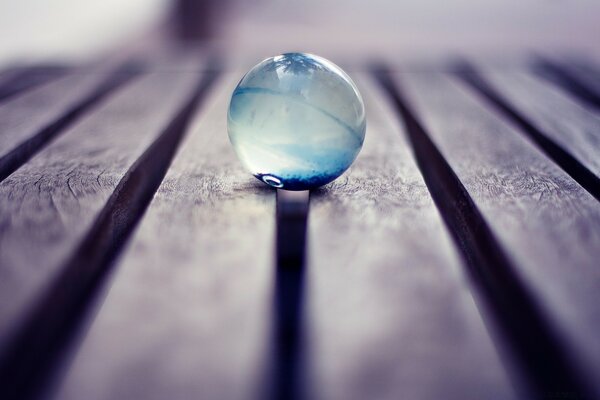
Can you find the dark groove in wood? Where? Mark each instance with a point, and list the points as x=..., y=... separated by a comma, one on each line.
x=43, y=339
x=531, y=340
x=566, y=80
x=23, y=79
x=576, y=170
x=292, y=214
x=18, y=156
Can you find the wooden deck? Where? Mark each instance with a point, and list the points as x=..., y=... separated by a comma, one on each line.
x=456, y=259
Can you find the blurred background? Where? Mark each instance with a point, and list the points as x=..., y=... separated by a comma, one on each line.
x=71, y=30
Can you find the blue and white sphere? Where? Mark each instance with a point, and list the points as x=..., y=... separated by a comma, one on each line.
x=296, y=121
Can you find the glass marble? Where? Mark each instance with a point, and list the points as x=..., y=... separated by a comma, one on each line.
x=296, y=121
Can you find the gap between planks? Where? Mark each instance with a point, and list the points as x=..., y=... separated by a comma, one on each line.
x=195, y=282
x=19, y=155
x=567, y=80
x=563, y=158
x=20, y=80
x=38, y=344
x=287, y=366
x=531, y=339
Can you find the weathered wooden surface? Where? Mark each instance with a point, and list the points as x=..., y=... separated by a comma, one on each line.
x=548, y=224
x=26, y=115
x=51, y=202
x=384, y=306
x=576, y=76
x=557, y=114
x=17, y=80
x=389, y=311
x=188, y=313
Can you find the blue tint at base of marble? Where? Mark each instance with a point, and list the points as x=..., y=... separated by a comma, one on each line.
x=297, y=182
x=296, y=121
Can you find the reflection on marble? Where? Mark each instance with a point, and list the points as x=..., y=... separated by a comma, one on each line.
x=296, y=121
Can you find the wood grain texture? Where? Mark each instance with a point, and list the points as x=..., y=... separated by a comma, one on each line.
x=548, y=107
x=578, y=77
x=546, y=222
x=188, y=313
x=389, y=311
x=24, y=116
x=18, y=80
x=50, y=203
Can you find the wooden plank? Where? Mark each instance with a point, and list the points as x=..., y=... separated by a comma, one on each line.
x=548, y=224
x=51, y=202
x=36, y=120
x=535, y=350
x=563, y=158
x=28, y=114
x=17, y=80
x=389, y=311
x=557, y=115
x=188, y=313
x=578, y=78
